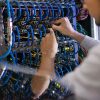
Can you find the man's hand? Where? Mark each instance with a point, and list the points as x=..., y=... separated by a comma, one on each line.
x=64, y=26
x=41, y=81
x=49, y=45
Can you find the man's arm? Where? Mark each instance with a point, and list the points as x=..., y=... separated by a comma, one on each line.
x=89, y=43
x=64, y=26
x=85, y=80
x=41, y=80
x=45, y=73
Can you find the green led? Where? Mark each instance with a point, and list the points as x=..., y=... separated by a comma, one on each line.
x=58, y=85
x=67, y=48
x=10, y=59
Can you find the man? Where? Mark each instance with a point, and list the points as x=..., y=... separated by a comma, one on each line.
x=85, y=80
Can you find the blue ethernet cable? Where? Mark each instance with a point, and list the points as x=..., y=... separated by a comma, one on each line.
x=10, y=74
x=72, y=10
x=18, y=34
x=15, y=54
x=76, y=52
x=59, y=69
x=13, y=41
x=65, y=67
x=8, y=8
x=52, y=9
x=76, y=60
x=23, y=58
x=20, y=11
x=28, y=38
x=68, y=11
x=77, y=10
x=40, y=10
x=27, y=12
x=30, y=57
x=62, y=11
x=12, y=13
x=44, y=30
x=33, y=8
x=16, y=86
x=58, y=9
x=32, y=33
x=70, y=1
x=57, y=73
x=47, y=10
x=70, y=68
x=10, y=42
x=40, y=33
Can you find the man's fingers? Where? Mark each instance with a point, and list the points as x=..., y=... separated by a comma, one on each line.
x=49, y=36
x=58, y=21
x=55, y=27
x=51, y=31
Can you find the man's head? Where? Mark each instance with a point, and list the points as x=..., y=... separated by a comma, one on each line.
x=93, y=7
